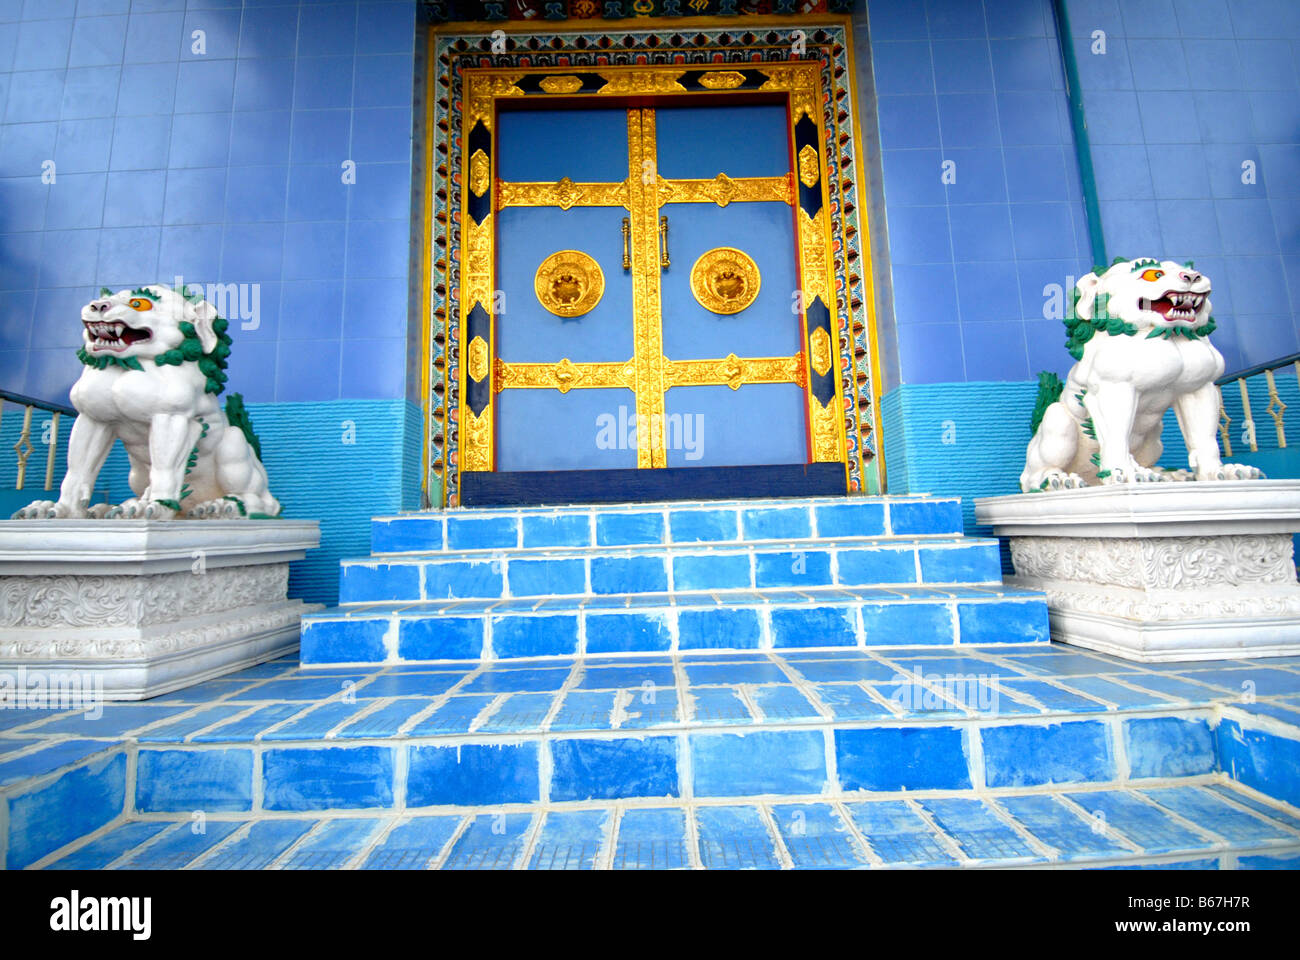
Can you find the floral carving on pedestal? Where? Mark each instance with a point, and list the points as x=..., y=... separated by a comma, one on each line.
x=118, y=601
x=1171, y=563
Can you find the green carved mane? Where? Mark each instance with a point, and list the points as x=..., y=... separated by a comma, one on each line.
x=1079, y=330
x=212, y=364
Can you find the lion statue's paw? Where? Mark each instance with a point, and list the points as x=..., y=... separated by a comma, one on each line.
x=46, y=510
x=99, y=511
x=225, y=508
x=1058, y=480
x=1231, y=471
x=141, y=509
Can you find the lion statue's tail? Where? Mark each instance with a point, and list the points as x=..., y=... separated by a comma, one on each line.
x=237, y=415
x=1050, y=389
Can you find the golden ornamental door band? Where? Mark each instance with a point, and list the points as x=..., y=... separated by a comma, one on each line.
x=649, y=373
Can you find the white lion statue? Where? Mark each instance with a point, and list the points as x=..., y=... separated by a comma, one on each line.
x=1140, y=333
x=154, y=364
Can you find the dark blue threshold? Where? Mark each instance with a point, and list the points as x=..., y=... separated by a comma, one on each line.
x=556, y=487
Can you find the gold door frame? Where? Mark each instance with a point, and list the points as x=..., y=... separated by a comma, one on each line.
x=649, y=373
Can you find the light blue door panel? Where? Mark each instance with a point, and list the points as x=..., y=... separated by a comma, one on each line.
x=546, y=145
x=767, y=327
x=716, y=426
x=698, y=143
x=529, y=333
x=578, y=430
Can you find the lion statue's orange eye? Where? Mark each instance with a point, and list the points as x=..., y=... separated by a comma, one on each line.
x=1152, y=275
x=140, y=303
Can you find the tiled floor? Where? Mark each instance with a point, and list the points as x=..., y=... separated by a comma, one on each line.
x=1159, y=827
x=1053, y=808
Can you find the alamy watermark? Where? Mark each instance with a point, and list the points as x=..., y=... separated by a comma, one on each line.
x=680, y=431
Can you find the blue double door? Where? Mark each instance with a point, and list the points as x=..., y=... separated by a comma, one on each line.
x=652, y=370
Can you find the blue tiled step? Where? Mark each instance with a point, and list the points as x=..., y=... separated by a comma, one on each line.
x=862, y=617
x=1021, y=728
x=664, y=568
x=1142, y=827
x=654, y=523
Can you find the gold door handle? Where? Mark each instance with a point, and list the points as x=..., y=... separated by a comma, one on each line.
x=627, y=254
x=663, y=240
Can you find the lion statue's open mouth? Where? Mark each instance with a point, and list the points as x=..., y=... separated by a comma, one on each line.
x=113, y=335
x=1175, y=306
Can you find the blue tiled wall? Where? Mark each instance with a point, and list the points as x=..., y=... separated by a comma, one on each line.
x=221, y=166
x=1186, y=92
x=980, y=86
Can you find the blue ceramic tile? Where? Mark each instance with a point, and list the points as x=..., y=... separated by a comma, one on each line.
x=99, y=853
x=731, y=765
x=1053, y=698
x=776, y=524
x=1070, y=752
x=332, y=778
x=180, y=729
x=315, y=724
x=565, y=530
x=814, y=627
x=1169, y=747
x=620, y=529
x=481, y=533
x=412, y=844
x=56, y=755
x=735, y=838
x=332, y=844
x=711, y=572
x=902, y=758
x=732, y=673
x=1142, y=823
x=714, y=705
x=715, y=629
x=264, y=843
x=439, y=638
x=549, y=577
x=382, y=581
x=622, y=677
x=571, y=840
x=783, y=703
x=473, y=774
x=608, y=633
x=1003, y=622
x=520, y=712
x=638, y=574
x=866, y=519
x=481, y=578
x=652, y=707
x=491, y=843
x=1060, y=827
x=650, y=839
x=847, y=670
x=180, y=846
x=533, y=636
x=336, y=641
x=585, y=710
x=178, y=781
x=817, y=838
x=512, y=681
x=1261, y=760
x=693, y=526
x=384, y=722
x=238, y=731
x=869, y=567
x=454, y=716
x=800, y=568
x=614, y=769
x=850, y=702
x=898, y=835
x=906, y=623
x=978, y=831
x=1210, y=812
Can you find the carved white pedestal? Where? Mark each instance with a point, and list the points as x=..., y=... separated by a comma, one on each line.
x=1161, y=571
x=145, y=607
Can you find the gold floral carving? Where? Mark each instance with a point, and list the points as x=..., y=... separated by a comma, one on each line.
x=813, y=257
x=476, y=439
x=722, y=80
x=725, y=280
x=564, y=376
x=642, y=81
x=734, y=371
x=647, y=333
x=561, y=84
x=723, y=190
x=478, y=257
x=809, y=166
x=481, y=89
x=569, y=283
x=480, y=173
x=819, y=351
x=802, y=82
x=825, y=422
x=478, y=359
x=564, y=193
